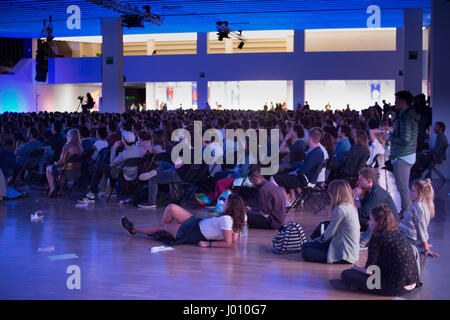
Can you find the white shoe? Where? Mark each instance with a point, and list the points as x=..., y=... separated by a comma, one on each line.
x=288, y=204
x=146, y=176
x=146, y=205
x=86, y=200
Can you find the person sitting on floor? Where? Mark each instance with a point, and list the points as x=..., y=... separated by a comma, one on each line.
x=369, y=194
x=307, y=171
x=415, y=223
x=271, y=209
x=340, y=241
x=391, y=252
x=182, y=227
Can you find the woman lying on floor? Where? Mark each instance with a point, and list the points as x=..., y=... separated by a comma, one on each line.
x=185, y=228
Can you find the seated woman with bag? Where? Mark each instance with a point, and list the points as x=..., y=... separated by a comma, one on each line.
x=340, y=241
x=179, y=226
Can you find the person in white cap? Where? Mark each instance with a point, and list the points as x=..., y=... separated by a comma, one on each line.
x=130, y=150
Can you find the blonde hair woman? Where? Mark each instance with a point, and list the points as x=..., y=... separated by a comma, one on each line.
x=340, y=241
x=415, y=223
x=73, y=146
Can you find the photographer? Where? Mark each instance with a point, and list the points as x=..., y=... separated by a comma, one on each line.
x=89, y=104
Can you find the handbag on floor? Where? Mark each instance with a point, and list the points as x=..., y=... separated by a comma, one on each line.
x=289, y=239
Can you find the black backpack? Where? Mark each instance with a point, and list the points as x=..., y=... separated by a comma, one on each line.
x=289, y=239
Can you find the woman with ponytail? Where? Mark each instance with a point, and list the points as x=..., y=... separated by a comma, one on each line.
x=415, y=223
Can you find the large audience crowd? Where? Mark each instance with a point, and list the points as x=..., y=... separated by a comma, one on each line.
x=338, y=153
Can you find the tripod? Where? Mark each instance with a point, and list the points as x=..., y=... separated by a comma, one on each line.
x=81, y=101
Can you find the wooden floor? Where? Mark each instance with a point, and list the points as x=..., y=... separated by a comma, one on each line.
x=116, y=266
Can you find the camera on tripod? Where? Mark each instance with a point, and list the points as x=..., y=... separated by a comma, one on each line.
x=81, y=98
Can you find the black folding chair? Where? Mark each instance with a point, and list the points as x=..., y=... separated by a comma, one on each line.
x=435, y=170
x=131, y=164
x=316, y=198
x=72, y=171
x=30, y=168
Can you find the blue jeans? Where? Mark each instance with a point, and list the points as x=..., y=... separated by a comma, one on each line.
x=315, y=251
x=367, y=235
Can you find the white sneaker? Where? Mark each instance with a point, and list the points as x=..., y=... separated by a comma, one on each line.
x=146, y=205
x=86, y=200
x=147, y=175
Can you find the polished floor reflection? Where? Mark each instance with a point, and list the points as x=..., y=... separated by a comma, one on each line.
x=116, y=266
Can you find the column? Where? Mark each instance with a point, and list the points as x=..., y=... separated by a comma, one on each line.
x=298, y=78
x=399, y=83
x=202, y=82
x=113, y=91
x=151, y=46
x=440, y=69
x=412, y=50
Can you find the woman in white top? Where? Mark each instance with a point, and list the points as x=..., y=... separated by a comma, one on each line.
x=185, y=228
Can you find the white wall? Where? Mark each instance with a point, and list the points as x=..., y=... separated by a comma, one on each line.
x=63, y=97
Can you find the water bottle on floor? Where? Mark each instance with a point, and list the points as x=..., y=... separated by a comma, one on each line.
x=244, y=232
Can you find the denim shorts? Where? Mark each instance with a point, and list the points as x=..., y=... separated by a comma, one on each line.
x=189, y=232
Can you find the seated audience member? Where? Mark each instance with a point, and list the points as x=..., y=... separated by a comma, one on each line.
x=415, y=223
x=144, y=143
x=356, y=157
x=101, y=143
x=294, y=145
x=342, y=148
x=86, y=142
x=392, y=253
x=369, y=194
x=307, y=171
x=340, y=241
x=57, y=140
x=378, y=138
x=441, y=142
x=23, y=152
x=7, y=158
x=425, y=159
x=185, y=228
x=113, y=135
x=130, y=151
x=73, y=146
x=271, y=208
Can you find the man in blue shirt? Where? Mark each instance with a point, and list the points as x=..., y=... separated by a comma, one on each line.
x=343, y=147
x=23, y=152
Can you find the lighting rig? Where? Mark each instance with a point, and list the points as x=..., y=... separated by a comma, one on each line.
x=224, y=32
x=132, y=17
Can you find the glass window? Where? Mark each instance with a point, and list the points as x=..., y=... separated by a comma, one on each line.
x=359, y=94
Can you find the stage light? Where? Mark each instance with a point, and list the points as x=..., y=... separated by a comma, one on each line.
x=241, y=45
